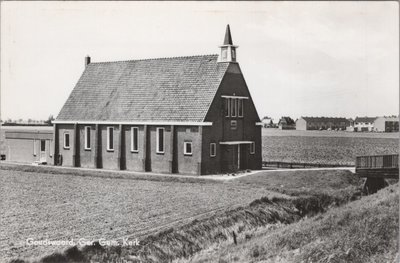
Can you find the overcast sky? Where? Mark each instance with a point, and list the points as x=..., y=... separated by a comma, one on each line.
x=298, y=58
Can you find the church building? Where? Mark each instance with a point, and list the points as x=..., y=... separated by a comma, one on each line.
x=188, y=115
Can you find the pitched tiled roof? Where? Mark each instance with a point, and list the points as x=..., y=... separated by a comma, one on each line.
x=325, y=119
x=365, y=119
x=165, y=89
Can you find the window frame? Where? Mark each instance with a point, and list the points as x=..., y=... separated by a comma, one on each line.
x=69, y=140
x=185, y=143
x=233, y=107
x=34, y=148
x=42, y=145
x=240, y=106
x=224, y=54
x=133, y=139
x=252, y=148
x=233, y=124
x=227, y=107
x=51, y=148
x=213, y=144
x=110, y=149
x=158, y=140
x=88, y=137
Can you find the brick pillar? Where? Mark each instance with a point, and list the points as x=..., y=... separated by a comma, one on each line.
x=74, y=145
x=172, y=150
x=96, y=146
x=55, y=144
x=200, y=150
x=120, y=148
x=145, y=130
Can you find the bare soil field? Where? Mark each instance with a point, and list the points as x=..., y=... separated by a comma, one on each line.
x=64, y=207
x=325, y=147
x=43, y=206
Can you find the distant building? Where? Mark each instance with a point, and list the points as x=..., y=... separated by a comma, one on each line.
x=28, y=144
x=362, y=124
x=286, y=123
x=350, y=125
x=386, y=124
x=321, y=123
x=268, y=122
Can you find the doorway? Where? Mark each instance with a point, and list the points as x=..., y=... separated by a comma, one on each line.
x=234, y=157
x=43, y=158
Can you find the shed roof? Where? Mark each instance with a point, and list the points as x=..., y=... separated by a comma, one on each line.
x=324, y=119
x=178, y=89
x=365, y=119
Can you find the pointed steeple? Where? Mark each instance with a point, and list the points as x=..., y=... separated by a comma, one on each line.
x=228, y=50
x=228, y=37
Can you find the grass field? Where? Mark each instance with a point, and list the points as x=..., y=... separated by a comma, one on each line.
x=63, y=207
x=326, y=147
x=362, y=231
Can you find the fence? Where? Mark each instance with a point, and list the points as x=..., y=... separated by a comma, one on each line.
x=377, y=161
x=294, y=165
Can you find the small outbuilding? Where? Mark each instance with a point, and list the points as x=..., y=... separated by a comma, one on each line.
x=28, y=144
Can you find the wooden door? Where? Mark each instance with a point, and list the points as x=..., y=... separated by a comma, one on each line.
x=43, y=158
x=230, y=160
x=244, y=154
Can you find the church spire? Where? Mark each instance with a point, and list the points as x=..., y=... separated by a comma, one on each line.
x=228, y=50
x=228, y=37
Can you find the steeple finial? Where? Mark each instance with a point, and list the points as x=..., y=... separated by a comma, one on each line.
x=228, y=50
x=228, y=37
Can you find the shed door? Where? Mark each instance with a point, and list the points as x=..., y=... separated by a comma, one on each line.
x=42, y=151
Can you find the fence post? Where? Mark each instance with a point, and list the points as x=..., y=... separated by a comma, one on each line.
x=234, y=237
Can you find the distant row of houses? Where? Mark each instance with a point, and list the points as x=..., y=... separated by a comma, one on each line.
x=360, y=124
x=378, y=124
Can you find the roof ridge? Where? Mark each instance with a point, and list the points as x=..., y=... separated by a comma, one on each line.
x=149, y=59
